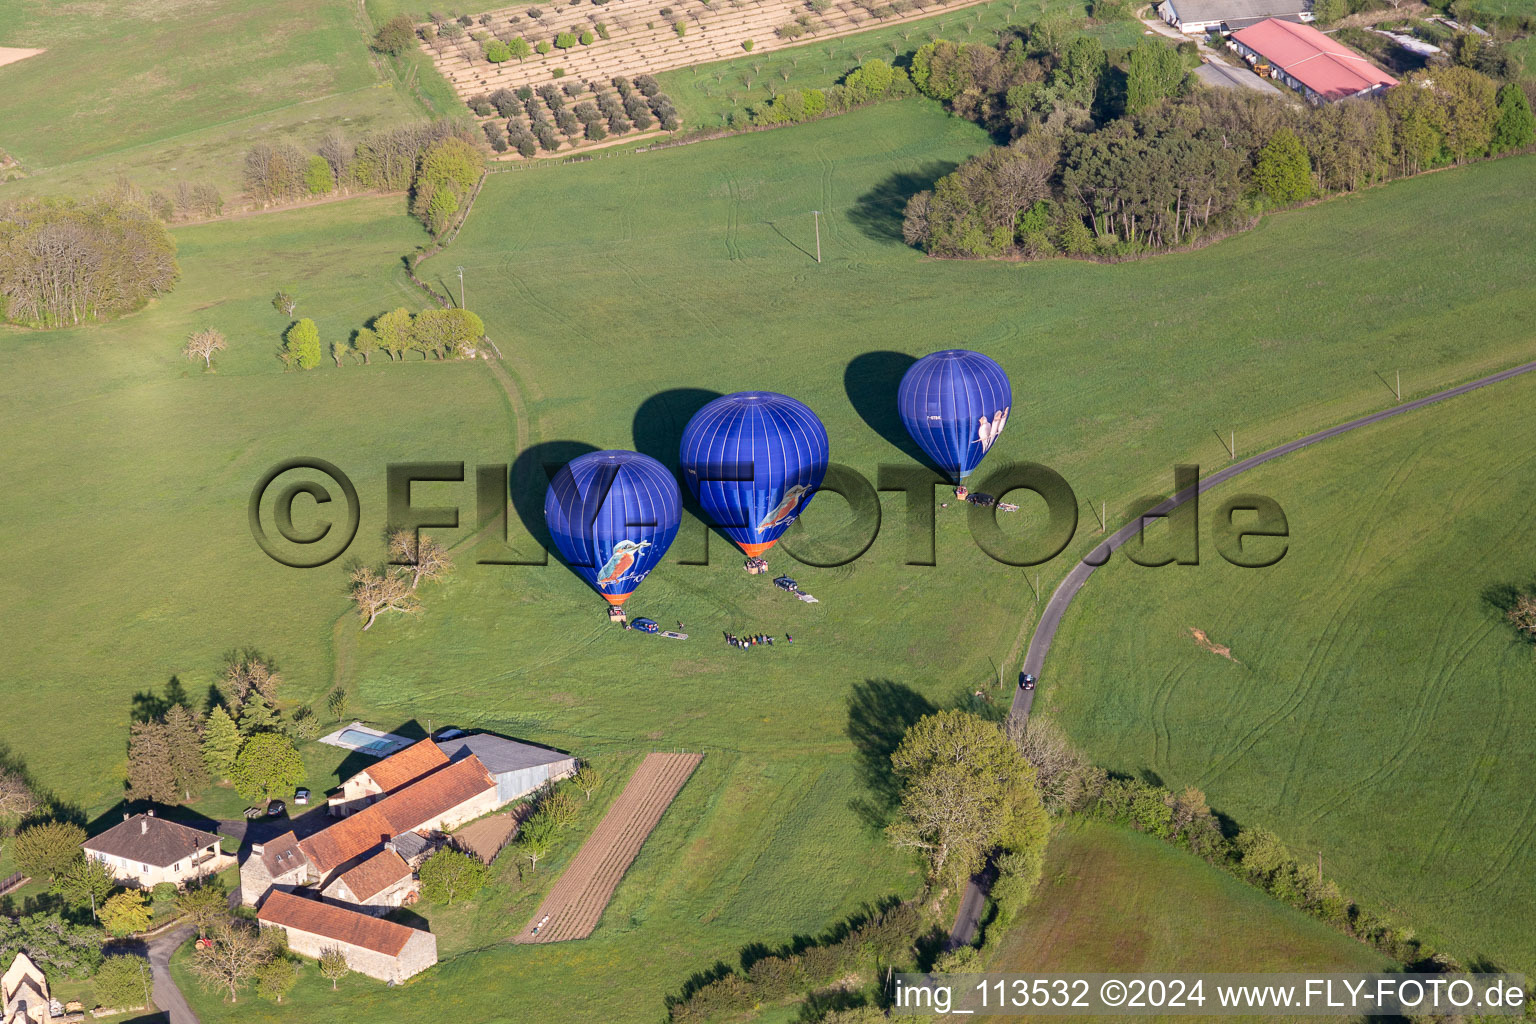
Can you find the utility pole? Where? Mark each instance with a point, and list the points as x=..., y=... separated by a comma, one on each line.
x=1234, y=444
x=817, y=215
x=1399, y=385
x=461, y=287
x=1319, y=867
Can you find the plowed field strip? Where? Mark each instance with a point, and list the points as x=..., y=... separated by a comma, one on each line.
x=574, y=905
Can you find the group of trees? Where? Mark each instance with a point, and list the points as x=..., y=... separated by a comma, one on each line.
x=413, y=557
x=64, y=262
x=236, y=953
x=174, y=750
x=436, y=162
x=1113, y=163
x=871, y=81
x=436, y=332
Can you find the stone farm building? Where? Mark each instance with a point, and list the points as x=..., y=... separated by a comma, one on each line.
x=395, y=812
x=1310, y=62
x=24, y=993
x=1197, y=17
x=384, y=950
x=144, y=850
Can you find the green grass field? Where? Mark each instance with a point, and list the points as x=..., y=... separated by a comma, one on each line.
x=1377, y=709
x=620, y=291
x=161, y=91
x=1115, y=900
x=707, y=94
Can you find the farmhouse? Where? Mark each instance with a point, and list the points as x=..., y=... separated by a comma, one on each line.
x=144, y=850
x=24, y=994
x=1197, y=17
x=380, y=949
x=1314, y=65
x=382, y=881
x=396, y=810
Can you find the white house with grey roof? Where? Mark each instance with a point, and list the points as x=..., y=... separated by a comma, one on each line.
x=1197, y=17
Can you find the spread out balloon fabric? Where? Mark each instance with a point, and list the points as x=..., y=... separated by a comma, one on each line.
x=955, y=403
x=612, y=515
x=754, y=460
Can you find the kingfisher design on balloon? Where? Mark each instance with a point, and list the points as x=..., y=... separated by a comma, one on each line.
x=754, y=460
x=612, y=515
x=955, y=404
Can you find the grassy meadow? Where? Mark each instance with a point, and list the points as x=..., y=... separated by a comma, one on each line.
x=1115, y=900
x=162, y=91
x=707, y=94
x=624, y=292
x=1377, y=708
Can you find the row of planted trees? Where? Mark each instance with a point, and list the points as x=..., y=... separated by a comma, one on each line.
x=439, y=333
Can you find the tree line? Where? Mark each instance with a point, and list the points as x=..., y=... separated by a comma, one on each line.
x=1110, y=160
x=436, y=332
x=64, y=262
x=436, y=162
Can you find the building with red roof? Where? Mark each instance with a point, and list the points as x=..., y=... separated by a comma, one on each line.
x=380, y=949
x=1308, y=61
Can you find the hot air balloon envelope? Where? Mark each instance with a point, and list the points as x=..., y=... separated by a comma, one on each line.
x=754, y=460
x=955, y=403
x=612, y=515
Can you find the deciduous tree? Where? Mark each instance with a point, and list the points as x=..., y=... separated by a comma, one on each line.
x=301, y=345
x=203, y=905
x=376, y=593
x=1283, y=174
x=451, y=874
x=333, y=965
x=123, y=982
x=393, y=330
x=203, y=344
x=126, y=913
x=231, y=961
x=589, y=779
x=395, y=36
x=425, y=559
x=276, y=978
x=85, y=882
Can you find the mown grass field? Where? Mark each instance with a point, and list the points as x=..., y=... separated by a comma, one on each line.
x=163, y=91
x=708, y=94
x=622, y=292
x=1116, y=900
x=1377, y=709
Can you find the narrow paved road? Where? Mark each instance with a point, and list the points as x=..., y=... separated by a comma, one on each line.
x=1061, y=598
x=167, y=996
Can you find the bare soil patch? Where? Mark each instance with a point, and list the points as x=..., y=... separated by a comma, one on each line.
x=1206, y=643
x=574, y=905
x=12, y=54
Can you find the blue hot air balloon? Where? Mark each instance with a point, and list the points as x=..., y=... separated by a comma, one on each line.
x=754, y=460
x=954, y=403
x=613, y=515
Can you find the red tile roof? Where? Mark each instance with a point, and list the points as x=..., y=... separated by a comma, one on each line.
x=402, y=811
x=1328, y=68
x=408, y=765
x=375, y=874
x=332, y=922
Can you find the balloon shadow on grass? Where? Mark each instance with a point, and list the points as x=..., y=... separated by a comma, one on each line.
x=658, y=432
x=871, y=381
x=529, y=482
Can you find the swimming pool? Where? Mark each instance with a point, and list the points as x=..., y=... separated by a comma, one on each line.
x=359, y=740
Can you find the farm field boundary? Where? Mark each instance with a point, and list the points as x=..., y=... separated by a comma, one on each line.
x=642, y=40
x=574, y=905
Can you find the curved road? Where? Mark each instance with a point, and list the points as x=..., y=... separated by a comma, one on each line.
x=1061, y=598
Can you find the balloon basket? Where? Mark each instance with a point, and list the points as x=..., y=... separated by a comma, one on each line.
x=961, y=492
x=616, y=614
x=756, y=566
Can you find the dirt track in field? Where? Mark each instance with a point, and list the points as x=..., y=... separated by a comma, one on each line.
x=578, y=899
